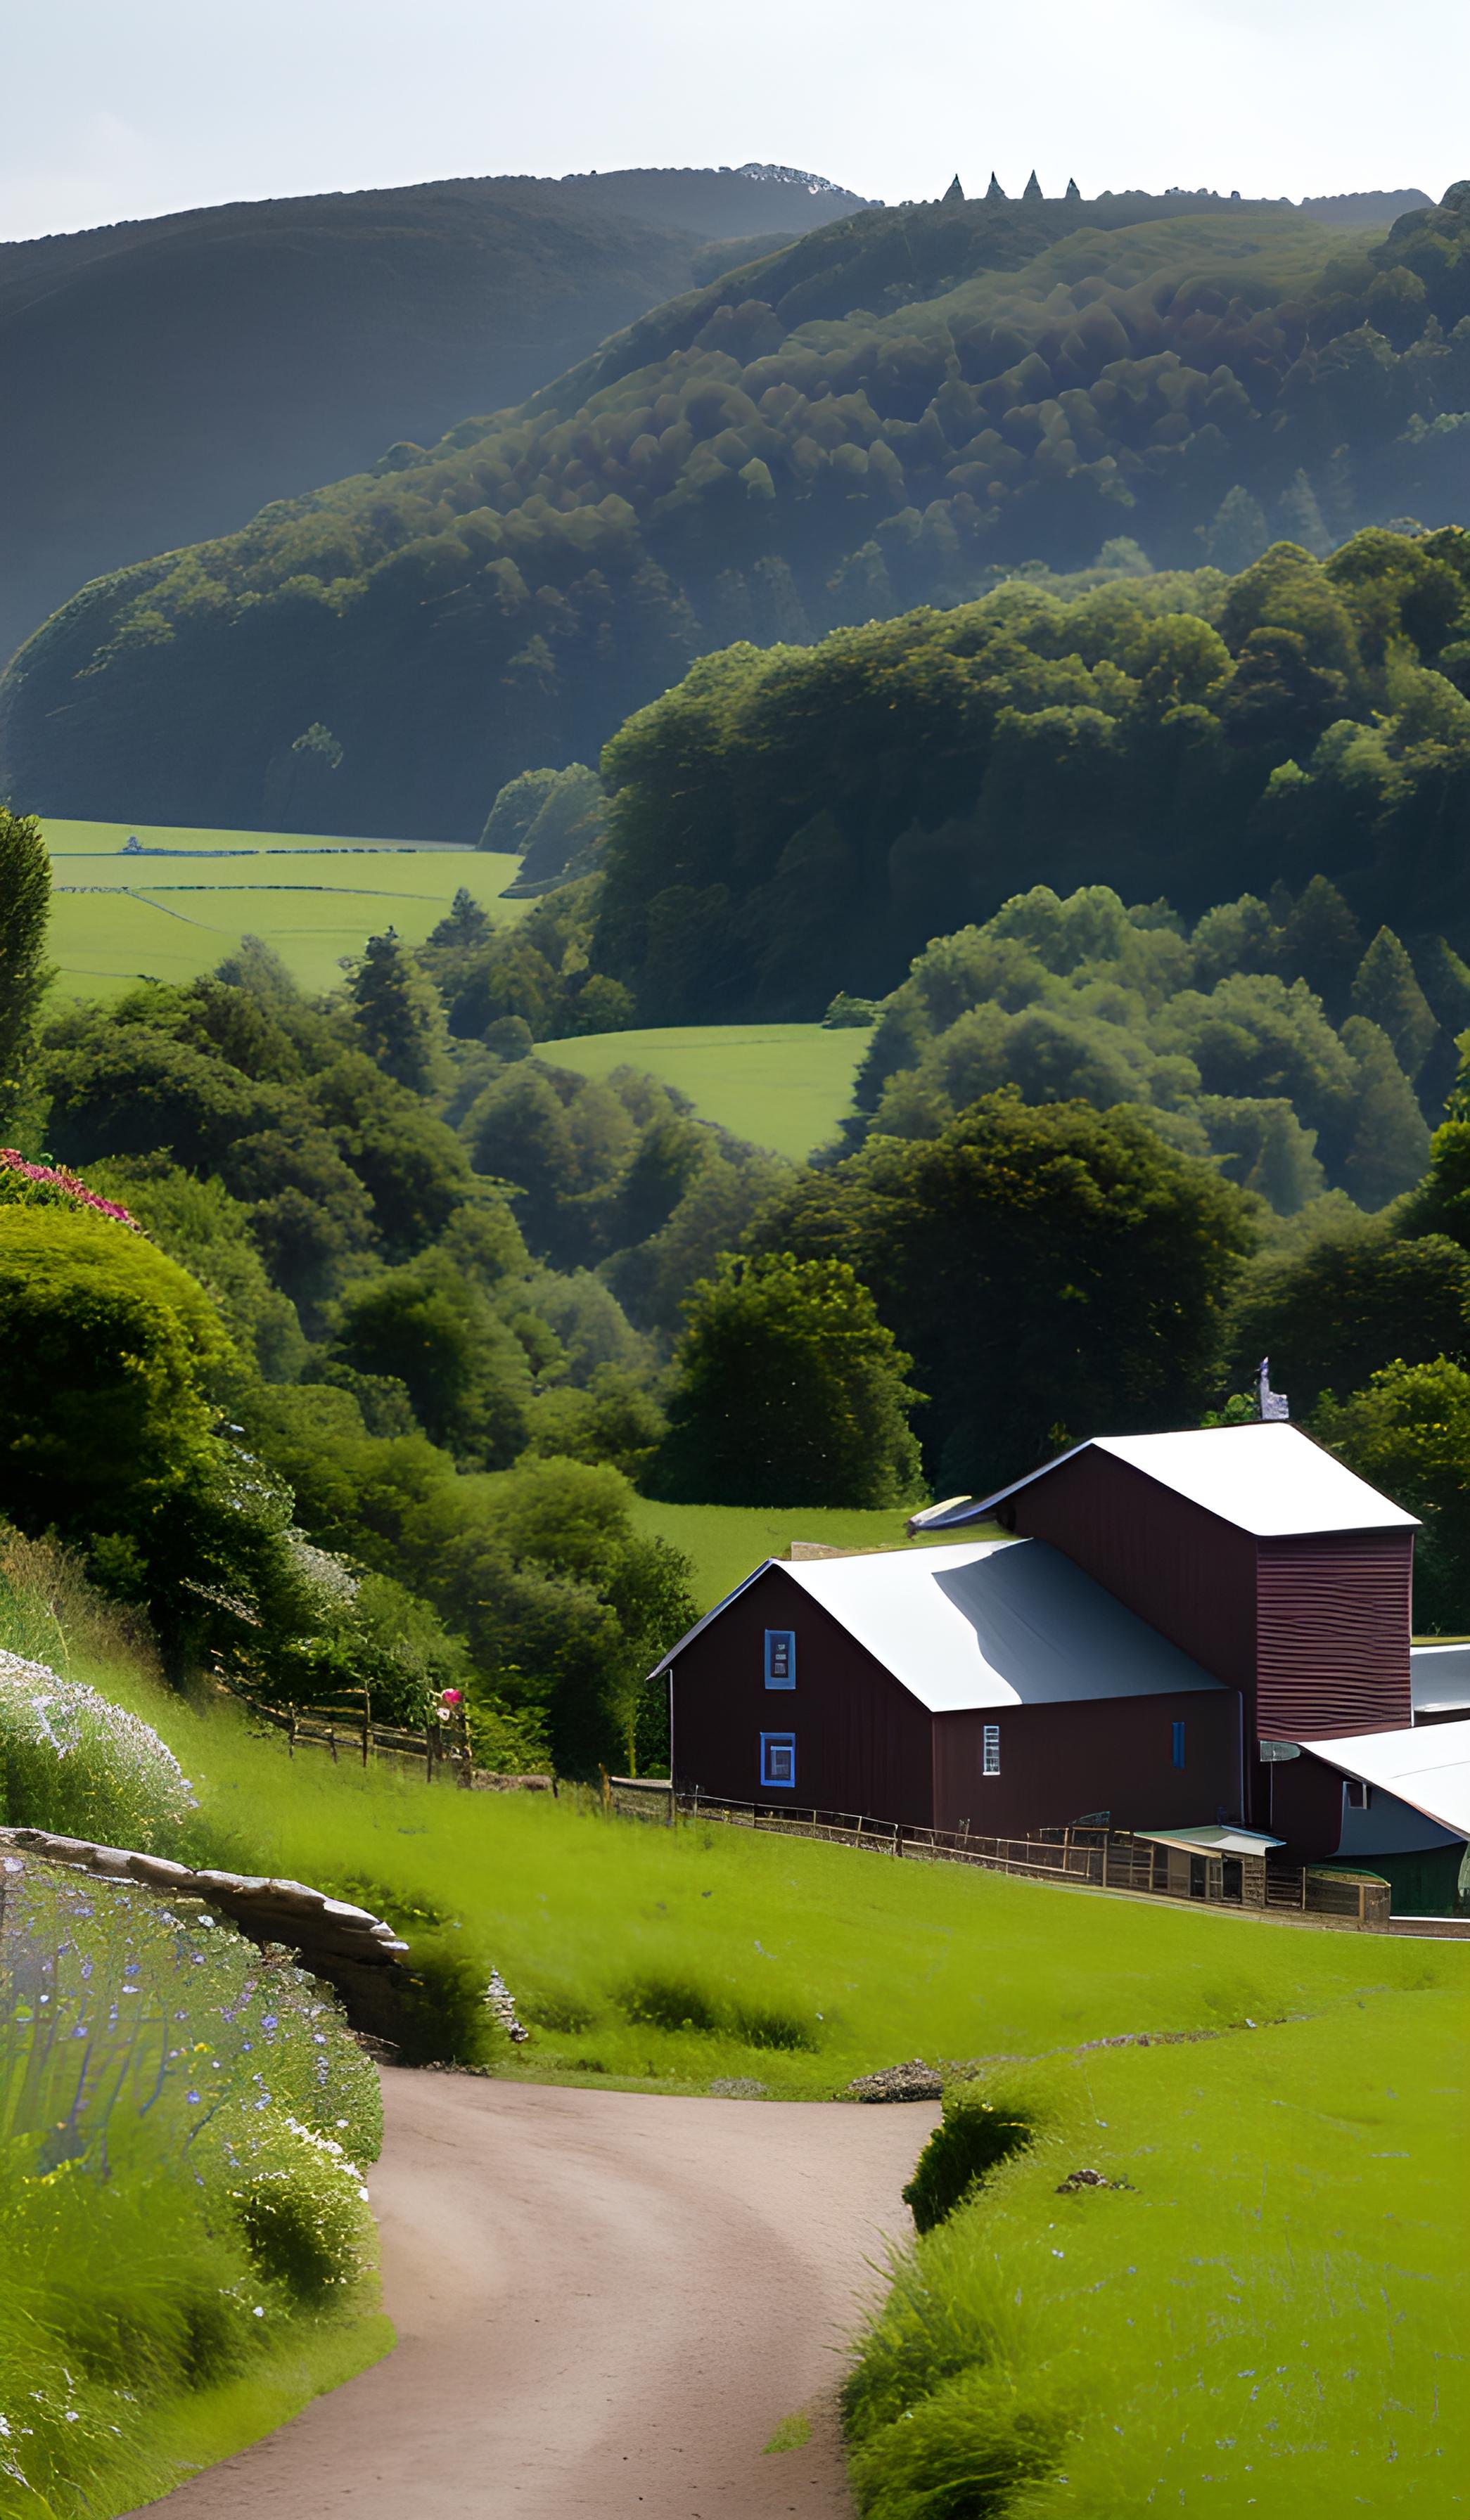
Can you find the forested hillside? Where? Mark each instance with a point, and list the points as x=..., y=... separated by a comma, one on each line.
x=180, y=371
x=892, y=411
x=787, y=826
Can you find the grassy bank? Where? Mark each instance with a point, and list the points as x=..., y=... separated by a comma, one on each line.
x=186, y=2250
x=689, y=1954
x=1269, y=2315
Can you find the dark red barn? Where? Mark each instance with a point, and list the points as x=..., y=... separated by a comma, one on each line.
x=1162, y=1610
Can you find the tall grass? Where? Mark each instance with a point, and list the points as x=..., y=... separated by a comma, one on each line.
x=1269, y=2317
x=182, y=2123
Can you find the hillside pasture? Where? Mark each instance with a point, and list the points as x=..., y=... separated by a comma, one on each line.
x=116, y=918
x=785, y=1086
x=1264, y=2311
x=726, y=1543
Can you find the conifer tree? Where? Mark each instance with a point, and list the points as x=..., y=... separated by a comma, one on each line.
x=24, y=908
x=1387, y=992
x=1390, y=1144
x=956, y=192
x=398, y=1015
x=1032, y=192
x=1072, y=195
x=994, y=191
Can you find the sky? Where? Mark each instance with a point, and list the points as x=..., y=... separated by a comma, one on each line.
x=123, y=109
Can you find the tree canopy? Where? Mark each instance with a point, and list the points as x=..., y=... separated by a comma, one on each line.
x=894, y=411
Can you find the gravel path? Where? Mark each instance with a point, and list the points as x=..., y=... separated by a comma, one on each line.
x=605, y=2304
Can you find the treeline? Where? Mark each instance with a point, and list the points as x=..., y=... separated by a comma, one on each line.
x=894, y=411
x=785, y=827
x=1271, y=1039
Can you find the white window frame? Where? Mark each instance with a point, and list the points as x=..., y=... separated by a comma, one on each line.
x=989, y=1749
x=770, y=1741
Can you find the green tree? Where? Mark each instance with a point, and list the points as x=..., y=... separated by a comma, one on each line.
x=426, y=1326
x=1408, y=1434
x=1387, y=992
x=1334, y=1314
x=109, y=1359
x=398, y=1016
x=1057, y=1272
x=788, y=1390
x=1390, y=1144
x=24, y=908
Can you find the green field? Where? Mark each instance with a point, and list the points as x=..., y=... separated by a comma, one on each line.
x=1269, y=2315
x=726, y=1543
x=783, y=1086
x=116, y=918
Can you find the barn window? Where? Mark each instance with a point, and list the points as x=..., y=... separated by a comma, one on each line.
x=1178, y=1735
x=780, y=1658
x=991, y=1746
x=1359, y=1795
x=778, y=1759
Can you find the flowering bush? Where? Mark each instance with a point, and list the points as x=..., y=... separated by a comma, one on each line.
x=28, y=1184
x=181, y=2119
x=71, y=1762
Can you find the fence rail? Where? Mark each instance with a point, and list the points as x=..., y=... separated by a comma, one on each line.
x=350, y=1727
x=1093, y=1857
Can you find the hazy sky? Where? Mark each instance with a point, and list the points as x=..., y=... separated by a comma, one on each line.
x=119, y=109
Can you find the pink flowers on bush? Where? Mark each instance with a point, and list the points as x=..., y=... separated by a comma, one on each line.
x=28, y=1184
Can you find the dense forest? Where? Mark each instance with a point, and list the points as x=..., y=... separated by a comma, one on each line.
x=181, y=371
x=899, y=408
x=341, y=1342
x=788, y=825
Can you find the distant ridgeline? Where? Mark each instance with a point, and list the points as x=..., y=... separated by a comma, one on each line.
x=895, y=410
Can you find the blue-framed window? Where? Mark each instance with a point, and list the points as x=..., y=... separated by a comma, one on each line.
x=990, y=1761
x=1178, y=1744
x=778, y=1759
x=780, y=1658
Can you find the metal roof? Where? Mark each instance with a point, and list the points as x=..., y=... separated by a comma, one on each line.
x=1426, y=1764
x=992, y=1623
x=1440, y=1676
x=1269, y=1479
x=1212, y=1840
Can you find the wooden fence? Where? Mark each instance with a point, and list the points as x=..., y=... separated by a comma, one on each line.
x=1098, y=1857
x=351, y=1729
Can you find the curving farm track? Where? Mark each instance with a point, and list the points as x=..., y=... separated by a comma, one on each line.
x=605, y=2303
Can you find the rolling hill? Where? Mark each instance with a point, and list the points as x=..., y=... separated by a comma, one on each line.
x=898, y=408
x=178, y=372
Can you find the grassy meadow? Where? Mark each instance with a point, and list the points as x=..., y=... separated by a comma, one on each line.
x=114, y=919
x=786, y=1086
x=726, y=1543
x=1268, y=2314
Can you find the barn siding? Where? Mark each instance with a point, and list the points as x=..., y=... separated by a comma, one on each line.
x=1189, y=1574
x=862, y=1742
x=1333, y=1635
x=1116, y=1754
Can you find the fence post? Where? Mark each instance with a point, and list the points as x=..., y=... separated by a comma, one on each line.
x=290, y=1732
x=1303, y=1889
x=1105, y=1864
x=331, y=1741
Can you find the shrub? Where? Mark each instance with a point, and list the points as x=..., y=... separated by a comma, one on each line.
x=971, y=2138
x=302, y=2209
x=71, y=1762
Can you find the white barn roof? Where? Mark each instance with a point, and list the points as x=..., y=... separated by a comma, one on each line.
x=1269, y=1479
x=1427, y=1766
x=994, y=1623
x=1440, y=1678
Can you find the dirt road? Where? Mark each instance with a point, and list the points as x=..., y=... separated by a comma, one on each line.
x=605, y=2304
